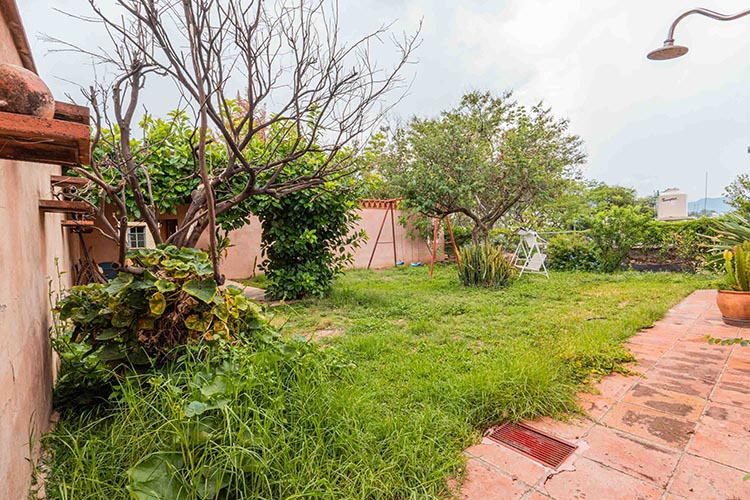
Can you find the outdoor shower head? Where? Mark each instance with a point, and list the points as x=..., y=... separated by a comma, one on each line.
x=672, y=51
x=668, y=51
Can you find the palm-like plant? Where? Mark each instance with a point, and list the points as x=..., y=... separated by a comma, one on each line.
x=729, y=232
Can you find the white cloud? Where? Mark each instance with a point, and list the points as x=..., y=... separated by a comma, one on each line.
x=649, y=125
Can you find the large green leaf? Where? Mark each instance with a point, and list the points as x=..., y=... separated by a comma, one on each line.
x=156, y=478
x=157, y=304
x=118, y=284
x=165, y=286
x=196, y=408
x=203, y=290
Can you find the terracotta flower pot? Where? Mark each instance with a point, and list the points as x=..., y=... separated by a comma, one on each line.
x=734, y=307
x=23, y=92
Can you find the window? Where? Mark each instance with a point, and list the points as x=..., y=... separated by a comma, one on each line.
x=137, y=237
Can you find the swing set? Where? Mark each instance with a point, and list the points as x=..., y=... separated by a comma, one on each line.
x=390, y=210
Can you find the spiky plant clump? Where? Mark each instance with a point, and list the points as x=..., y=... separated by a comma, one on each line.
x=737, y=265
x=485, y=265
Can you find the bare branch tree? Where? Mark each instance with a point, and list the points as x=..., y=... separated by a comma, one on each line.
x=305, y=91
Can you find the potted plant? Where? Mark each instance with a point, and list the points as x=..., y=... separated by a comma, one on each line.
x=734, y=304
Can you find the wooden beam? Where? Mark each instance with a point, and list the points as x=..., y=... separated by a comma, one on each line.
x=77, y=223
x=72, y=113
x=29, y=138
x=66, y=180
x=65, y=206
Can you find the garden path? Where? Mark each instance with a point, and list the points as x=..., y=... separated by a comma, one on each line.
x=678, y=430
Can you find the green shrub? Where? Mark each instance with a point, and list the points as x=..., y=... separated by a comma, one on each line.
x=485, y=266
x=138, y=319
x=684, y=242
x=614, y=231
x=306, y=239
x=572, y=252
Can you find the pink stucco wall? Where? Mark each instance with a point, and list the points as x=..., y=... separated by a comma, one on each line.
x=239, y=259
x=33, y=246
x=30, y=244
x=244, y=257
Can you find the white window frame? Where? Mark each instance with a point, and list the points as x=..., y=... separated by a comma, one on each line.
x=148, y=238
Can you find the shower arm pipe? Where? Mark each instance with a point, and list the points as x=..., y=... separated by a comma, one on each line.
x=704, y=12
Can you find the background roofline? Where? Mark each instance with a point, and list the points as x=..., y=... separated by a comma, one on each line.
x=12, y=16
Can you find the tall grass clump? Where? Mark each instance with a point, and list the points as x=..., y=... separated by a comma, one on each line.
x=485, y=265
x=284, y=421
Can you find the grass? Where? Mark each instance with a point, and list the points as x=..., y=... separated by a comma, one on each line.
x=434, y=364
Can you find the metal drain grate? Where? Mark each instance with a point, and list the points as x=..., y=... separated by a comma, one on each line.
x=535, y=444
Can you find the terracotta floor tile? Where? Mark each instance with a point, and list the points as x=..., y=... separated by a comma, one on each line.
x=723, y=435
x=721, y=445
x=733, y=390
x=692, y=352
x=568, y=431
x=595, y=405
x=647, y=350
x=674, y=319
x=483, y=483
x=707, y=371
x=740, y=353
x=727, y=417
x=655, y=340
x=701, y=479
x=669, y=381
x=592, y=481
x=680, y=405
x=535, y=495
x=614, y=386
x=738, y=365
x=654, y=426
x=513, y=463
x=637, y=458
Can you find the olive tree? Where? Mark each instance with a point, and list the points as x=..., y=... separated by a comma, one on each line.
x=484, y=159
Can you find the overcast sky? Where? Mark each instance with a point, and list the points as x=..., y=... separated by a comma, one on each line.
x=646, y=125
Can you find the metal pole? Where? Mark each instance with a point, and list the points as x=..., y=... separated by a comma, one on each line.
x=703, y=12
x=705, y=197
x=377, y=240
x=391, y=205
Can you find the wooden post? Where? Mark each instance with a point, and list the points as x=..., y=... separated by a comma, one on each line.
x=453, y=241
x=434, y=245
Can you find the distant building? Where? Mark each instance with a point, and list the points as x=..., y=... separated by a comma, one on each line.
x=672, y=204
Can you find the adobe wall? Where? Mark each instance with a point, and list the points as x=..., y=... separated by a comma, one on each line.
x=244, y=257
x=29, y=245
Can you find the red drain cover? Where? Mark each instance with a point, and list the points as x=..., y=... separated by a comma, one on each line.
x=535, y=444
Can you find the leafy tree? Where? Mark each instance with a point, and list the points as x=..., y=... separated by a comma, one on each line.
x=484, y=159
x=163, y=153
x=738, y=193
x=574, y=208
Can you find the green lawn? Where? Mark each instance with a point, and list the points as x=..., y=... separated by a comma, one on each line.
x=434, y=364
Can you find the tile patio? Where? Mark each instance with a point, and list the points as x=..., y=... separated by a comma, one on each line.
x=678, y=430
